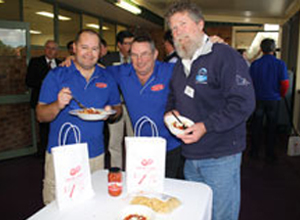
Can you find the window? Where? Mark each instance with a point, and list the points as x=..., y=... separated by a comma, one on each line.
x=69, y=25
x=109, y=34
x=90, y=23
x=40, y=16
x=10, y=10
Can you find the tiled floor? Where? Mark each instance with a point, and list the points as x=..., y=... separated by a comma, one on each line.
x=269, y=191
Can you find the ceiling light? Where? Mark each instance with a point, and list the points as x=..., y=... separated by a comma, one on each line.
x=96, y=26
x=2, y=1
x=129, y=6
x=271, y=27
x=247, y=13
x=35, y=32
x=51, y=15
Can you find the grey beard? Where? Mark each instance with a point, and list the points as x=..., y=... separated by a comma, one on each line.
x=187, y=51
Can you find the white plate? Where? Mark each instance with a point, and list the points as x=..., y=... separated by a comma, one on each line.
x=138, y=210
x=170, y=121
x=92, y=117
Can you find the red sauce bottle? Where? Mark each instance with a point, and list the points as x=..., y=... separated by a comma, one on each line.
x=115, y=181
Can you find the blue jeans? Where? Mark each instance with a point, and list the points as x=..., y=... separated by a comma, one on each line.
x=223, y=176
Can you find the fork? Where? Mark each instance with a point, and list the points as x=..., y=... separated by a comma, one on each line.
x=183, y=125
x=79, y=103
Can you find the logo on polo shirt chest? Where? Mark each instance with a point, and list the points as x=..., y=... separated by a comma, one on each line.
x=157, y=87
x=101, y=85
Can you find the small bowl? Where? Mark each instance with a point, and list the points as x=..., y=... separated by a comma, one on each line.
x=174, y=125
x=136, y=210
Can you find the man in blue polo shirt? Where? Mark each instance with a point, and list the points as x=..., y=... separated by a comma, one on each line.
x=93, y=87
x=145, y=88
x=270, y=80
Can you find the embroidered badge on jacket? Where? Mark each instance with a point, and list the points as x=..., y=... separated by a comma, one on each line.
x=201, y=77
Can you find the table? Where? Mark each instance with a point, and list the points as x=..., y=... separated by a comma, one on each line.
x=196, y=201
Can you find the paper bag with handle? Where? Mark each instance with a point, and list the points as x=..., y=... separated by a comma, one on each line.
x=145, y=159
x=294, y=146
x=71, y=168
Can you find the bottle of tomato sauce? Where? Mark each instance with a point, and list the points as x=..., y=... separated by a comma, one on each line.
x=115, y=181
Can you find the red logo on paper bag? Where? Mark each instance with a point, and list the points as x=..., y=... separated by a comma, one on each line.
x=146, y=162
x=157, y=87
x=101, y=85
x=75, y=170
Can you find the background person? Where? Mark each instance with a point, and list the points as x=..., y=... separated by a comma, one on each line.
x=90, y=84
x=211, y=86
x=270, y=80
x=124, y=41
x=172, y=55
x=37, y=70
x=70, y=48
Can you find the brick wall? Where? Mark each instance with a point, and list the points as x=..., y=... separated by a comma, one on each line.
x=15, y=124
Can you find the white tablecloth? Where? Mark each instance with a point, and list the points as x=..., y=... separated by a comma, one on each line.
x=196, y=201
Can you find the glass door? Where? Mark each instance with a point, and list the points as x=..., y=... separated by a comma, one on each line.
x=17, y=121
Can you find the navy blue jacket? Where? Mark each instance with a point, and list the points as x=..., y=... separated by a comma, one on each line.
x=223, y=100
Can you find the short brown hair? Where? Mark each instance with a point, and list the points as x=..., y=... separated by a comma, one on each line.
x=192, y=9
x=90, y=31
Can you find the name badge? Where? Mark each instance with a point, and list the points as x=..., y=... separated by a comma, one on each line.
x=189, y=91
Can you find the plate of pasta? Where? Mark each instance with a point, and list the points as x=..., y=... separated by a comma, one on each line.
x=92, y=114
x=136, y=212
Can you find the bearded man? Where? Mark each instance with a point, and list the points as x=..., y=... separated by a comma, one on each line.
x=211, y=86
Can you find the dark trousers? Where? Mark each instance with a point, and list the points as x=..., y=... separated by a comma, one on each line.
x=44, y=132
x=269, y=109
x=174, y=164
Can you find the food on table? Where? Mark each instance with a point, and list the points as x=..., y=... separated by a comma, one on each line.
x=114, y=181
x=135, y=217
x=90, y=111
x=160, y=203
x=180, y=126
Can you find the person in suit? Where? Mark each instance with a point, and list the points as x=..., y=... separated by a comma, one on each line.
x=70, y=47
x=172, y=55
x=103, y=51
x=37, y=70
x=124, y=41
x=116, y=132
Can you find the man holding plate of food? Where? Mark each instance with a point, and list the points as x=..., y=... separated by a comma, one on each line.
x=93, y=87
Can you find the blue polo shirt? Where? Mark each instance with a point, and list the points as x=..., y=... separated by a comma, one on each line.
x=266, y=74
x=101, y=90
x=147, y=100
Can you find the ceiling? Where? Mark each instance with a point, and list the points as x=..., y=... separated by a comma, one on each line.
x=245, y=11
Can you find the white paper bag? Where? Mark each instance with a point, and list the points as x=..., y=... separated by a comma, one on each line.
x=72, y=169
x=294, y=146
x=145, y=159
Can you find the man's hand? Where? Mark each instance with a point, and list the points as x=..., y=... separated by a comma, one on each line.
x=68, y=61
x=193, y=134
x=217, y=39
x=64, y=97
x=115, y=117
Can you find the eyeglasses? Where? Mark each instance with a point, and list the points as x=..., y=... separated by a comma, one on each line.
x=144, y=55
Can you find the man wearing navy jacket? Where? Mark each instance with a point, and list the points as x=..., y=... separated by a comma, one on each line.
x=211, y=86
